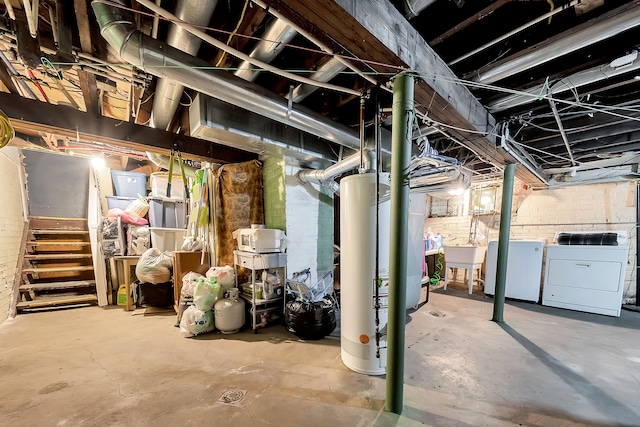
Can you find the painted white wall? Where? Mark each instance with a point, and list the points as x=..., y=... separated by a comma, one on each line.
x=12, y=222
x=309, y=214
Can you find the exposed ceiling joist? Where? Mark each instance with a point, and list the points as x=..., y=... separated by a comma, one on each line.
x=33, y=117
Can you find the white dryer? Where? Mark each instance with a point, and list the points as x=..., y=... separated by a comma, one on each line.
x=585, y=278
x=524, y=269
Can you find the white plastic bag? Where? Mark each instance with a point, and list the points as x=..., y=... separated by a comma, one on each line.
x=195, y=322
x=226, y=276
x=154, y=267
x=189, y=282
x=205, y=293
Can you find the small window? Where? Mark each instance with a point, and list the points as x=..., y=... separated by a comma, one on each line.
x=443, y=207
x=483, y=200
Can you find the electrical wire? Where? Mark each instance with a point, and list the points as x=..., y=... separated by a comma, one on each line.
x=233, y=33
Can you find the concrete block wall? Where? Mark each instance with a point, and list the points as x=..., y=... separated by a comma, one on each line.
x=12, y=224
x=309, y=212
x=543, y=213
x=274, y=193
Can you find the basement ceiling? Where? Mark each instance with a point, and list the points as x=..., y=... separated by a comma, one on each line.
x=550, y=85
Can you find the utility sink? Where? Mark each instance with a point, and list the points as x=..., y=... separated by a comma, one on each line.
x=464, y=254
x=467, y=257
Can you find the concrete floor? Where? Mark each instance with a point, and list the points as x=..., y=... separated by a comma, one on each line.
x=104, y=367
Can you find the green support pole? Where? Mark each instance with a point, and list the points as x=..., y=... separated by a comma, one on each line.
x=503, y=242
x=401, y=150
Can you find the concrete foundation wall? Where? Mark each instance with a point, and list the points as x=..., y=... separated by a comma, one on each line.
x=543, y=213
x=11, y=224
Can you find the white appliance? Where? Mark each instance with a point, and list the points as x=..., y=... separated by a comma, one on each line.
x=524, y=268
x=357, y=273
x=585, y=278
x=260, y=240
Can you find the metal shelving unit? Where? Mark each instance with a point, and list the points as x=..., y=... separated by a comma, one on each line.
x=260, y=308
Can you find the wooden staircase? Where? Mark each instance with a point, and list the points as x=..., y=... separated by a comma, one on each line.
x=57, y=267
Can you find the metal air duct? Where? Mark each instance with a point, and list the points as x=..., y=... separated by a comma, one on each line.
x=582, y=78
x=412, y=8
x=325, y=177
x=118, y=28
x=537, y=55
x=273, y=41
x=326, y=72
x=168, y=92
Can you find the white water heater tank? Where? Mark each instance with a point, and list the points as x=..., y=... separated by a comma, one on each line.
x=357, y=273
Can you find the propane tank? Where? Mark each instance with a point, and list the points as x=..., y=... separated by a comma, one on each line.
x=229, y=312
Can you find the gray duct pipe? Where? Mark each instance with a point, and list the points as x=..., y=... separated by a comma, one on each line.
x=326, y=72
x=412, y=8
x=163, y=162
x=325, y=177
x=588, y=36
x=582, y=78
x=134, y=47
x=168, y=93
x=274, y=40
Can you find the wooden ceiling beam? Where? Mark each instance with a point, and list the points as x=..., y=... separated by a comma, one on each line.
x=33, y=117
x=87, y=81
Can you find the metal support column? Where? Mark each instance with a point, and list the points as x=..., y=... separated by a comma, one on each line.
x=401, y=150
x=503, y=242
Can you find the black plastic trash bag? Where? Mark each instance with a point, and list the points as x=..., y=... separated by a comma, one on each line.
x=311, y=320
x=154, y=294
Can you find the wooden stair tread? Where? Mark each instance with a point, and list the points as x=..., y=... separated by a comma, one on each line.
x=57, y=269
x=57, y=285
x=58, y=243
x=52, y=301
x=54, y=256
x=58, y=231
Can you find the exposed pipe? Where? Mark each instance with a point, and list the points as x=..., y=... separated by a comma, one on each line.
x=412, y=8
x=220, y=45
x=561, y=129
x=163, y=162
x=325, y=177
x=535, y=56
x=326, y=72
x=314, y=40
x=168, y=93
x=579, y=79
x=31, y=12
x=7, y=4
x=403, y=89
x=274, y=41
x=503, y=243
x=156, y=22
x=120, y=32
x=517, y=30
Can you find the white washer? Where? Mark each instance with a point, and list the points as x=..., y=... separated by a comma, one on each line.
x=524, y=268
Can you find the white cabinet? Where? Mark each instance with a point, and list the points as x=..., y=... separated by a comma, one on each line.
x=262, y=311
x=585, y=278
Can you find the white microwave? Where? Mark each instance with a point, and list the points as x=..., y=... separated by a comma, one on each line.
x=260, y=240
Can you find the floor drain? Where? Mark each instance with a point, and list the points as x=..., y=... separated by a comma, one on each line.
x=232, y=396
x=437, y=313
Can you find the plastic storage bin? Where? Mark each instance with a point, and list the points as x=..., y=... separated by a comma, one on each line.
x=159, y=185
x=167, y=239
x=129, y=184
x=167, y=213
x=119, y=202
